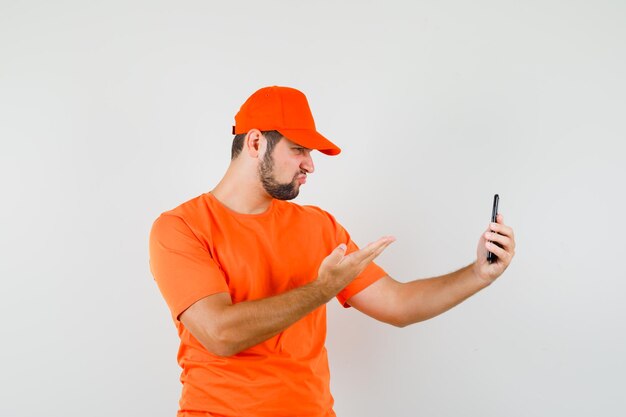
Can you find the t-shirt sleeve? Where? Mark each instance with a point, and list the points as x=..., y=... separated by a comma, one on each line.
x=181, y=265
x=370, y=274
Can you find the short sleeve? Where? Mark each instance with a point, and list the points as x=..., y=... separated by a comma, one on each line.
x=181, y=265
x=370, y=274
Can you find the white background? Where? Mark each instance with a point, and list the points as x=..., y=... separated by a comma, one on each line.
x=113, y=112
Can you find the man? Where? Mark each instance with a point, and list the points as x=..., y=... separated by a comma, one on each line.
x=247, y=274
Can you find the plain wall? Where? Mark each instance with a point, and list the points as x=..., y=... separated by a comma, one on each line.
x=113, y=112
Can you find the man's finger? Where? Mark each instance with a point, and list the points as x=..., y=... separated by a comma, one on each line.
x=501, y=228
x=379, y=250
x=501, y=253
x=371, y=251
x=497, y=237
x=374, y=246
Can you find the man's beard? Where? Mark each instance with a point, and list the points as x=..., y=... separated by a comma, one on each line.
x=279, y=191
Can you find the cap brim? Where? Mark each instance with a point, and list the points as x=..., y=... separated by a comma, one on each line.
x=310, y=139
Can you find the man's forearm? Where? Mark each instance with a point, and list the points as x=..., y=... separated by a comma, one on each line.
x=249, y=323
x=426, y=298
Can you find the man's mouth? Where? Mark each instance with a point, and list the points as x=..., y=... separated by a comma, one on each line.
x=301, y=178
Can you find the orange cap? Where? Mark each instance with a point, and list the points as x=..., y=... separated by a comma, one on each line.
x=286, y=110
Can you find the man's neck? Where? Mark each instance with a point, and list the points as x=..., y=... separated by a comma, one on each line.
x=242, y=193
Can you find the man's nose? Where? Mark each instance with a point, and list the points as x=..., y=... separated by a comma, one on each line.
x=307, y=164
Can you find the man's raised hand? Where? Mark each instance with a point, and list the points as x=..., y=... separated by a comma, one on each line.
x=337, y=270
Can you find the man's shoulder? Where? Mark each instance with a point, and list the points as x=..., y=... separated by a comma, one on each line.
x=189, y=207
x=187, y=211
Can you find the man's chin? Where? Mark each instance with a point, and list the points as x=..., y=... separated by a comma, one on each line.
x=287, y=197
x=284, y=194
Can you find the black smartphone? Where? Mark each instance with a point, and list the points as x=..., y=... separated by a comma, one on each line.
x=491, y=258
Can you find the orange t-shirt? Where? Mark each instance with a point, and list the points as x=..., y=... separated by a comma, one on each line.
x=202, y=248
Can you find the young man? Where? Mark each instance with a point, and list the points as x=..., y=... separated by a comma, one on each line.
x=247, y=274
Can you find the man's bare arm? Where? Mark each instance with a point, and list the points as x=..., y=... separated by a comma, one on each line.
x=225, y=328
x=402, y=304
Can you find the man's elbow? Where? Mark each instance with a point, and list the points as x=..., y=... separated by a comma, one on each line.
x=395, y=319
x=222, y=350
x=399, y=324
x=401, y=320
x=220, y=342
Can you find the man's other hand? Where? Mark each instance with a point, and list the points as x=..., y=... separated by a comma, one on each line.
x=337, y=270
x=496, y=233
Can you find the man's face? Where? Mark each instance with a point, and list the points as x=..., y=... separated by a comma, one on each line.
x=283, y=170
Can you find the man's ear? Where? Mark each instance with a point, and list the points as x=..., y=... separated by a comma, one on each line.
x=254, y=143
